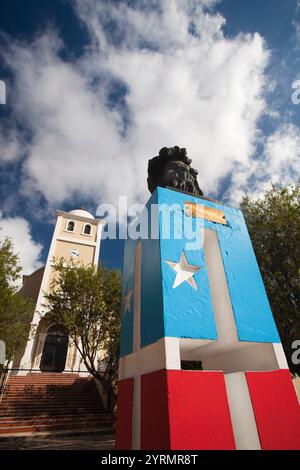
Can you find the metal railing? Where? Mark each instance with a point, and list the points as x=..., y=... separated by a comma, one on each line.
x=3, y=380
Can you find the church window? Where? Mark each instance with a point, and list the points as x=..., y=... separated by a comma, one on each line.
x=71, y=226
x=87, y=229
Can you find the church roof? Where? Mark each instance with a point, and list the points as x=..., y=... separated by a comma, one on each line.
x=82, y=213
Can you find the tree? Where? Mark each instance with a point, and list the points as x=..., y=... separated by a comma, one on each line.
x=15, y=310
x=274, y=226
x=87, y=301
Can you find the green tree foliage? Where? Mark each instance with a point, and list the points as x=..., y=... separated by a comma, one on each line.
x=15, y=310
x=87, y=301
x=274, y=226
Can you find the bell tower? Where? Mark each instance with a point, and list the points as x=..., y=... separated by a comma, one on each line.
x=76, y=238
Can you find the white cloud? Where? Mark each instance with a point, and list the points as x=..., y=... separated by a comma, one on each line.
x=186, y=85
x=28, y=250
x=282, y=155
x=10, y=148
x=279, y=164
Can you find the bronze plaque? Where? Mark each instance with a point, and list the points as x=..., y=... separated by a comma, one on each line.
x=209, y=213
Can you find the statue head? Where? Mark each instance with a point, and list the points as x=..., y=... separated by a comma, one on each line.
x=172, y=168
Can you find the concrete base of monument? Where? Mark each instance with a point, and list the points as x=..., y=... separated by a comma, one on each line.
x=207, y=410
x=145, y=385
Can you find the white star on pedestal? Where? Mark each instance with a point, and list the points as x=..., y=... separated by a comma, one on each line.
x=184, y=272
x=127, y=299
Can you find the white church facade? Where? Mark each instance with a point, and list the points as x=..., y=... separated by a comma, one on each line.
x=76, y=238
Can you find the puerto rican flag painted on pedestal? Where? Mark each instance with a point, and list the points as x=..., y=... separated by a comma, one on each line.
x=205, y=304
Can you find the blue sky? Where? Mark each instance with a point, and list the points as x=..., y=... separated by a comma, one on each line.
x=96, y=88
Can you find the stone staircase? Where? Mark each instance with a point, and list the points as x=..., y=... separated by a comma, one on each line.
x=52, y=402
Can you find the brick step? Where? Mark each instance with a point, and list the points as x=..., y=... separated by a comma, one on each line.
x=50, y=407
x=46, y=413
x=53, y=405
x=74, y=422
x=25, y=417
x=52, y=411
x=16, y=383
x=44, y=400
x=50, y=396
x=33, y=380
x=52, y=402
x=57, y=433
x=42, y=379
x=45, y=422
x=34, y=394
x=74, y=383
x=45, y=376
x=48, y=391
x=56, y=392
x=45, y=397
x=49, y=384
x=28, y=417
x=61, y=416
x=50, y=374
x=38, y=396
x=42, y=428
x=53, y=383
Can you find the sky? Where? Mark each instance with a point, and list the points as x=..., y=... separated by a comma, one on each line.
x=95, y=88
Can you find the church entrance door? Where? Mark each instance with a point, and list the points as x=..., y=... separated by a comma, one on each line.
x=55, y=350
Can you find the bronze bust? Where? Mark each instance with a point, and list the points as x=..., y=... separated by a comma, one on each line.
x=171, y=168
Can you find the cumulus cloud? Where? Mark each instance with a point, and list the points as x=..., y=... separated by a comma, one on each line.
x=282, y=155
x=279, y=164
x=28, y=250
x=10, y=148
x=177, y=79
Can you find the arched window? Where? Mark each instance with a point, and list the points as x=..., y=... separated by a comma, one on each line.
x=87, y=229
x=71, y=226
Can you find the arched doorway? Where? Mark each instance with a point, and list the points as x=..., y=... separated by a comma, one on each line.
x=55, y=350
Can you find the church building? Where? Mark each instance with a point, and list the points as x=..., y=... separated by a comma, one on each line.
x=76, y=237
x=47, y=388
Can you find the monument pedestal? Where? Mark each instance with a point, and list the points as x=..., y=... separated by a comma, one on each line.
x=192, y=291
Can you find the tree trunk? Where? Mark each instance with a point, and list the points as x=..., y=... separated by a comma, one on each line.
x=110, y=393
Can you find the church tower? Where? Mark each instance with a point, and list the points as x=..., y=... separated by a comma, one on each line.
x=76, y=238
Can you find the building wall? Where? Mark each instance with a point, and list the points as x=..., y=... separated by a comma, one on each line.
x=78, y=231
x=62, y=250
x=73, y=246
x=32, y=283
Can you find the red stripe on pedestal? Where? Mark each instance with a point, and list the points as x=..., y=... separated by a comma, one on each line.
x=154, y=411
x=124, y=415
x=185, y=410
x=276, y=409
